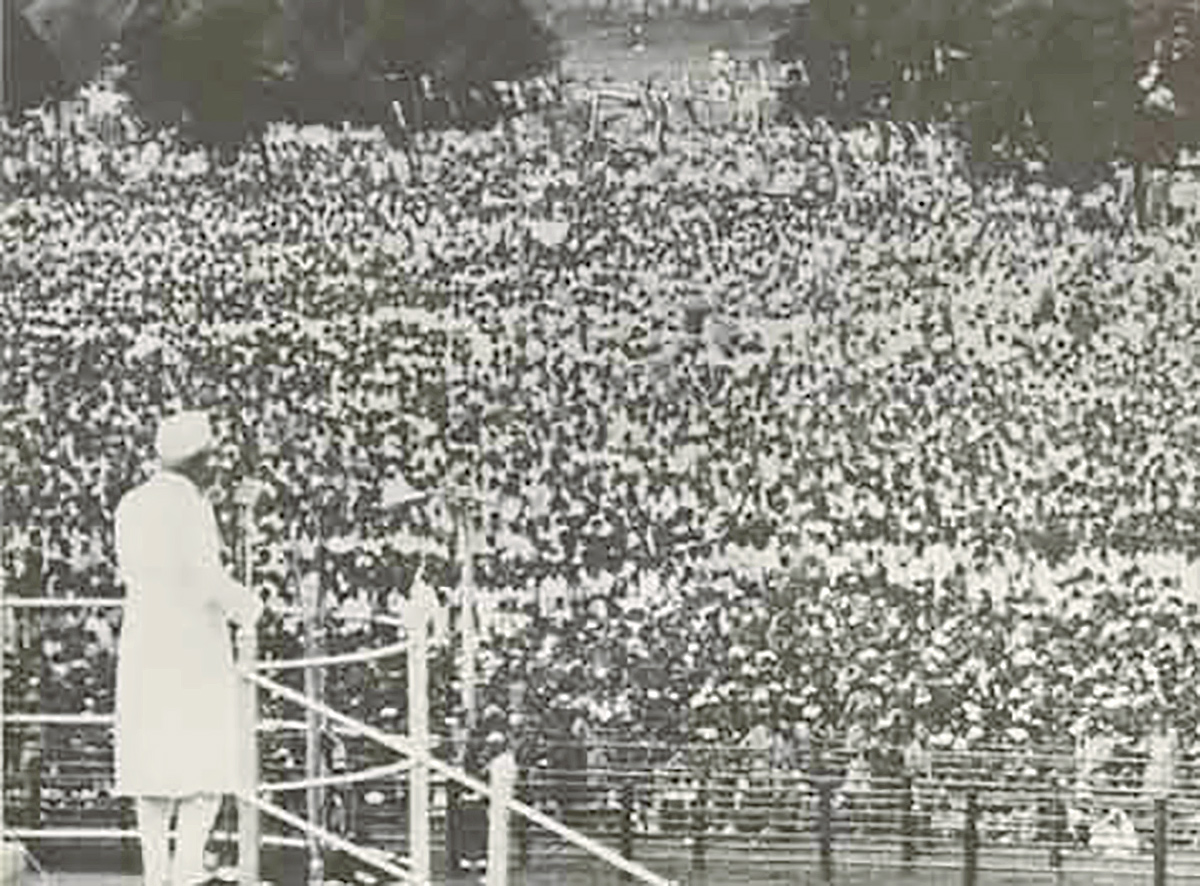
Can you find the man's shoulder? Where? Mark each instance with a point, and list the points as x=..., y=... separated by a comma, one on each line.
x=164, y=489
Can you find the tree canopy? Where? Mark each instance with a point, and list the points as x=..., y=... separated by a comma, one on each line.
x=1064, y=80
x=200, y=66
x=222, y=68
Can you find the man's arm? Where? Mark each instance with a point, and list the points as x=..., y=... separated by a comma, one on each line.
x=238, y=603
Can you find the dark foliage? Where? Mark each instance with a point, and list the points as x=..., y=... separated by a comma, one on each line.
x=227, y=68
x=201, y=69
x=34, y=74
x=461, y=41
x=1056, y=80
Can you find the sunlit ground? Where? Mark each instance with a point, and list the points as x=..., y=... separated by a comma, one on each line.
x=595, y=50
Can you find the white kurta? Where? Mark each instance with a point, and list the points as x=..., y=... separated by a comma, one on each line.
x=177, y=688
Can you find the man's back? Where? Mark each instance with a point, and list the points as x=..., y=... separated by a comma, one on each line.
x=149, y=523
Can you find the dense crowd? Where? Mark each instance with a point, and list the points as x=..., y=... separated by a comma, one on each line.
x=764, y=427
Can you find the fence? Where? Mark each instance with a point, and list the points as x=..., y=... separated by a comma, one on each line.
x=696, y=813
x=984, y=812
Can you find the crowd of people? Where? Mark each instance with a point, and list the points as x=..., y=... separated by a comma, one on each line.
x=798, y=427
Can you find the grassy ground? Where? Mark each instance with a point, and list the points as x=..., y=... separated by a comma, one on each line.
x=595, y=50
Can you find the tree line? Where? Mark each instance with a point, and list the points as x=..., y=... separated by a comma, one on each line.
x=1074, y=83
x=220, y=70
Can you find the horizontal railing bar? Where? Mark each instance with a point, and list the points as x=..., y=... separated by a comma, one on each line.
x=377, y=617
x=348, y=778
x=332, y=660
x=119, y=834
x=60, y=602
x=58, y=719
x=717, y=796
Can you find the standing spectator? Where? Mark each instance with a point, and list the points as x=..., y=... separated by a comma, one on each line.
x=1093, y=750
x=720, y=89
x=341, y=806
x=471, y=839
x=1156, y=139
x=918, y=776
x=856, y=787
x=758, y=745
x=576, y=774
x=784, y=777
x=1163, y=746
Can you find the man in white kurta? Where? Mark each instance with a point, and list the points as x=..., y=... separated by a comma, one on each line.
x=177, y=687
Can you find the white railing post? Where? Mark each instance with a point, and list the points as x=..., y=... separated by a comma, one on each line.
x=313, y=758
x=247, y=655
x=470, y=635
x=248, y=825
x=5, y=614
x=503, y=778
x=419, y=610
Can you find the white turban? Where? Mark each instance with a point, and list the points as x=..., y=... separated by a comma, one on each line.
x=182, y=436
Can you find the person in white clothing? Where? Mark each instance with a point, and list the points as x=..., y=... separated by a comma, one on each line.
x=176, y=736
x=1162, y=746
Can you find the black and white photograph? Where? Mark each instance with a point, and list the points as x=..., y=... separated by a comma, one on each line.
x=600, y=442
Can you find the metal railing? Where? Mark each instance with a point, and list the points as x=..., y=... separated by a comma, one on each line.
x=998, y=810
x=69, y=780
x=702, y=810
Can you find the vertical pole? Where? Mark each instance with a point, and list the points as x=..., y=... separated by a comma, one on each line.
x=470, y=635
x=313, y=758
x=1160, y=841
x=32, y=764
x=418, y=128
x=522, y=792
x=971, y=840
x=909, y=821
x=418, y=729
x=454, y=798
x=627, y=812
x=461, y=517
x=1161, y=776
x=1139, y=195
x=4, y=611
x=825, y=822
x=248, y=824
x=31, y=752
x=504, y=777
x=4, y=58
x=58, y=141
x=594, y=119
x=700, y=824
x=1058, y=832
